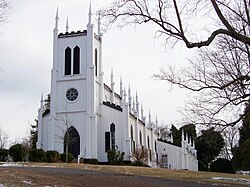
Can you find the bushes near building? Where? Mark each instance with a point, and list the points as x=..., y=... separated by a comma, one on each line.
x=115, y=157
x=52, y=156
x=18, y=152
x=37, y=155
x=241, y=159
x=90, y=161
x=4, y=155
x=63, y=157
x=222, y=165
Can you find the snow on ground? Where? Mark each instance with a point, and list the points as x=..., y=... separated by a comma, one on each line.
x=1, y=185
x=11, y=165
x=28, y=182
x=238, y=180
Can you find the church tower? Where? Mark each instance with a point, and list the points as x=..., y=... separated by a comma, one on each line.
x=76, y=90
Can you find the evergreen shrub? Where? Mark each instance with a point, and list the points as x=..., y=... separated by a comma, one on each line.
x=115, y=157
x=64, y=155
x=222, y=165
x=17, y=152
x=91, y=161
x=4, y=155
x=37, y=155
x=52, y=156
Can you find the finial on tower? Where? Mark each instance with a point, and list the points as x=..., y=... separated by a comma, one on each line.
x=142, y=112
x=67, y=24
x=149, y=118
x=129, y=95
x=57, y=19
x=125, y=95
x=41, y=102
x=112, y=77
x=156, y=122
x=90, y=14
x=134, y=104
x=121, y=89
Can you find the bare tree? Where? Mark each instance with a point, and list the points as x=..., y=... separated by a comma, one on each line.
x=140, y=155
x=219, y=81
x=219, y=76
x=4, y=139
x=231, y=136
x=4, y=5
x=181, y=20
x=65, y=126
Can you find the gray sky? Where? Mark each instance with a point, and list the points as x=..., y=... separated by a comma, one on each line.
x=26, y=59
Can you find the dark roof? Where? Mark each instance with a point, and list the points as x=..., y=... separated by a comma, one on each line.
x=165, y=141
x=72, y=34
x=132, y=115
x=109, y=89
x=112, y=105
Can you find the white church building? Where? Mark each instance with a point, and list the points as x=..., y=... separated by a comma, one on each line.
x=98, y=118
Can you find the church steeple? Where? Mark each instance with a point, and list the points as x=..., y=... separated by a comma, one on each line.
x=56, y=20
x=90, y=14
x=67, y=24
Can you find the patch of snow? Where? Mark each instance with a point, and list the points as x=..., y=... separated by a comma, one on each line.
x=243, y=172
x=1, y=185
x=11, y=165
x=28, y=182
x=238, y=180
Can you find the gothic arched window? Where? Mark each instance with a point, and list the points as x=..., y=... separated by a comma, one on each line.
x=96, y=61
x=76, y=60
x=112, y=132
x=67, y=61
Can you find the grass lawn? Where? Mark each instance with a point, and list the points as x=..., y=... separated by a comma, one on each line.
x=206, y=177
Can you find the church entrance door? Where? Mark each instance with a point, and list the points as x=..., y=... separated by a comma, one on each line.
x=72, y=142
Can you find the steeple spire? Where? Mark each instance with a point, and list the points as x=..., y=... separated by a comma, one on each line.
x=156, y=122
x=41, y=102
x=57, y=19
x=125, y=95
x=90, y=14
x=142, y=112
x=129, y=96
x=121, y=89
x=67, y=24
x=112, y=80
x=149, y=118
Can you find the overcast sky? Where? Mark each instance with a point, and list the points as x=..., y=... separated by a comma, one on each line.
x=26, y=61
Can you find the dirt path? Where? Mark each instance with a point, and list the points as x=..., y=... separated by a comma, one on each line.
x=56, y=176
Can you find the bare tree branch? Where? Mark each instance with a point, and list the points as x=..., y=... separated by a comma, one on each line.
x=144, y=11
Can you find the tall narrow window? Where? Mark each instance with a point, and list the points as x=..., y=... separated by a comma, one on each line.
x=67, y=61
x=107, y=141
x=140, y=138
x=148, y=143
x=76, y=69
x=112, y=131
x=96, y=61
x=155, y=147
x=132, y=139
